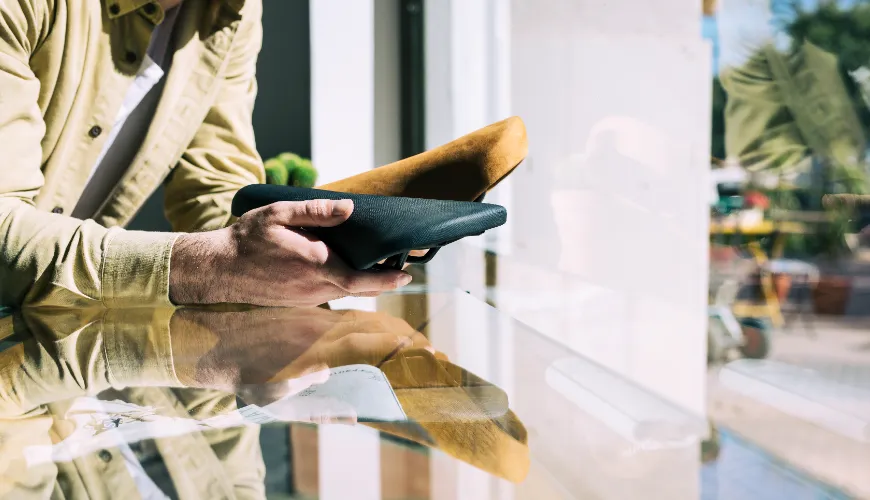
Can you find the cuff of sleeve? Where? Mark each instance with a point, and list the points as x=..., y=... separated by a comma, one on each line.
x=138, y=348
x=136, y=269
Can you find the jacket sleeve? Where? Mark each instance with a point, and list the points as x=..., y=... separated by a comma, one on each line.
x=79, y=352
x=49, y=259
x=222, y=158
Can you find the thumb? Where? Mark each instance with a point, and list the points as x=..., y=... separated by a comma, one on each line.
x=310, y=213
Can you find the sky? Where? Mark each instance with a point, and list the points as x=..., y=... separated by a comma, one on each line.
x=710, y=32
x=710, y=27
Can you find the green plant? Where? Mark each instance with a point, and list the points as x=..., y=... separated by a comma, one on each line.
x=830, y=240
x=786, y=200
x=276, y=172
x=826, y=235
x=290, y=169
x=835, y=27
x=841, y=29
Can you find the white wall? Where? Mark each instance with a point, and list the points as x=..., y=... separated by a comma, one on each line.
x=354, y=70
x=616, y=99
x=606, y=249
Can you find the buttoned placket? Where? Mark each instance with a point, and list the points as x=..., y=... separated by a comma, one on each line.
x=146, y=173
x=189, y=456
x=110, y=473
x=124, y=52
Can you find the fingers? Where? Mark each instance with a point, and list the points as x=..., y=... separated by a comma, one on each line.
x=369, y=347
x=311, y=213
x=370, y=283
x=363, y=283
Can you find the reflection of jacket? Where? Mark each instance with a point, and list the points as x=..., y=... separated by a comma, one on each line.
x=55, y=365
x=65, y=67
x=782, y=108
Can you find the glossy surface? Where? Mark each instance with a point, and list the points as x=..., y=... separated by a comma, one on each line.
x=182, y=393
x=566, y=354
x=84, y=383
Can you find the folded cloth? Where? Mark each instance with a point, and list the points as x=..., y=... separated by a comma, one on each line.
x=461, y=170
x=457, y=412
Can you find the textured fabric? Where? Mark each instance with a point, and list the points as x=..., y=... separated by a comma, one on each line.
x=381, y=227
x=131, y=123
x=65, y=68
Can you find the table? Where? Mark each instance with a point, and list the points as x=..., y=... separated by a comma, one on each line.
x=525, y=418
x=770, y=306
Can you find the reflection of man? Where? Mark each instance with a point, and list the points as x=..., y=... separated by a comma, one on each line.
x=156, y=424
x=57, y=441
x=103, y=101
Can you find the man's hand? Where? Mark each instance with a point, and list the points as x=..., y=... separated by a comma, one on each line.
x=229, y=350
x=264, y=259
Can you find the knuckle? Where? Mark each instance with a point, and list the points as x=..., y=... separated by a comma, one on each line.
x=319, y=208
x=318, y=254
x=351, y=282
x=355, y=337
x=271, y=211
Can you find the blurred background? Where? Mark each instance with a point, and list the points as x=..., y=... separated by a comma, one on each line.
x=691, y=214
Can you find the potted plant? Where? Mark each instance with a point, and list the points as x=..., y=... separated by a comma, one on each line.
x=289, y=169
x=831, y=295
x=828, y=221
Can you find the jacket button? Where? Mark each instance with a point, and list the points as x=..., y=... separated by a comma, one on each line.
x=95, y=131
x=149, y=8
x=131, y=57
x=114, y=9
x=57, y=210
x=105, y=456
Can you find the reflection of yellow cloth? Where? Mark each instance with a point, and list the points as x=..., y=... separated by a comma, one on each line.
x=437, y=396
x=67, y=354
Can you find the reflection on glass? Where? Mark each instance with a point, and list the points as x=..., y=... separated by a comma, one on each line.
x=161, y=394
x=803, y=393
x=790, y=218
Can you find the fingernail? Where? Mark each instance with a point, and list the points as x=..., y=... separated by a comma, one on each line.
x=341, y=208
x=404, y=280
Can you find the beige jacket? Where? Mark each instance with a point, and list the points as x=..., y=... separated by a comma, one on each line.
x=65, y=67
